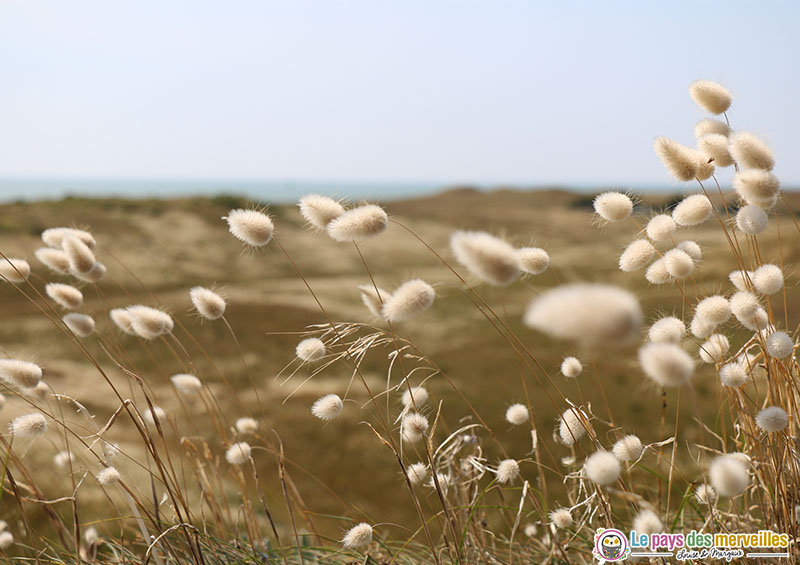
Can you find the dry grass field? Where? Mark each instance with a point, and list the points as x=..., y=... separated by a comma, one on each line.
x=156, y=250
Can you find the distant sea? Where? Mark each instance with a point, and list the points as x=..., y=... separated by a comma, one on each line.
x=12, y=190
x=278, y=192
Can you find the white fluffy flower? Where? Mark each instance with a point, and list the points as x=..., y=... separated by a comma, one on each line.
x=629, y=448
x=733, y=374
x=661, y=228
x=636, y=256
x=417, y=473
x=561, y=518
x=751, y=220
x=647, y=522
x=667, y=329
x=310, y=349
x=488, y=257
x=328, y=407
x=779, y=345
x=517, y=414
x=591, y=314
x=413, y=427
x=571, y=367
x=533, y=260
x=507, y=471
x=358, y=537
x=692, y=210
x=728, y=474
x=602, y=468
x=571, y=427
x=238, y=453
x=666, y=364
x=772, y=419
x=768, y=279
x=419, y=394
x=714, y=349
x=613, y=206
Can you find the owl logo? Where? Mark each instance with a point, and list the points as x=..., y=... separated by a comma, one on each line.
x=610, y=545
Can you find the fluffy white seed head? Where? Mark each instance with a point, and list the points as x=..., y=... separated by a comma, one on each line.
x=62, y=459
x=750, y=152
x=668, y=329
x=779, y=345
x=94, y=275
x=517, y=414
x=757, y=187
x=80, y=257
x=417, y=473
x=744, y=306
x=613, y=206
x=571, y=367
x=319, y=211
x=54, y=237
x=54, y=259
x=705, y=494
x=629, y=448
x=310, y=349
x=91, y=536
x=246, y=426
x=488, y=257
x=715, y=146
x=359, y=224
x=660, y=228
x=28, y=425
x=530, y=530
x=155, y=413
x=733, y=374
x=561, y=518
x=714, y=310
x=419, y=394
x=149, y=323
x=445, y=482
x=710, y=126
x=250, y=226
x=570, y=427
x=108, y=476
x=6, y=540
x=186, y=384
x=666, y=364
x=692, y=210
x=691, y=248
x=80, y=324
x=647, y=522
x=591, y=314
x=358, y=537
x=238, y=453
x=64, y=295
x=636, y=256
x=374, y=300
x=533, y=260
x=704, y=168
x=740, y=279
x=122, y=319
x=507, y=471
x=711, y=96
x=328, y=407
x=14, y=270
x=39, y=392
x=657, y=272
x=208, y=303
x=751, y=220
x=21, y=373
x=602, y=468
x=728, y=474
x=768, y=279
x=410, y=299
x=681, y=161
x=678, y=263
x=772, y=419
x=413, y=427
x=714, y=349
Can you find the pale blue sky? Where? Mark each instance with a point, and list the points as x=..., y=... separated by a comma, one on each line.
x=428, y=91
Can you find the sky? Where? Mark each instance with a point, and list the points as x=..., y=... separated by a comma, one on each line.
x=434, y=91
